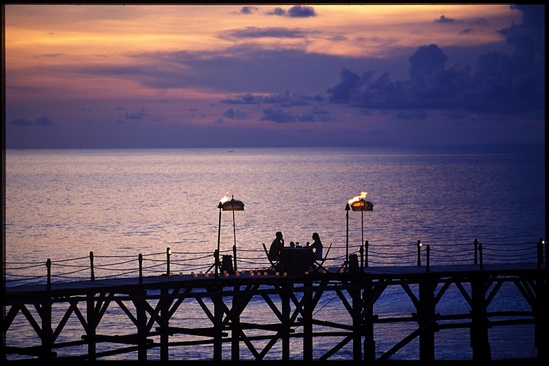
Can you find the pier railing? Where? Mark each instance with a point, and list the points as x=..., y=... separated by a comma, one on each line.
x=171, y=262
x=404, y=301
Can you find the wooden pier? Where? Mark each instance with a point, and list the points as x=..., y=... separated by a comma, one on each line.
x=166, y=316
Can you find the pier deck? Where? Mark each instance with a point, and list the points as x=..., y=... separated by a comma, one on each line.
x=159, y=312
x=261, y=276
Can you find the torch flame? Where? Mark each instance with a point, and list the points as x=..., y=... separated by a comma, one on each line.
x=358, y=198
x=225, y=199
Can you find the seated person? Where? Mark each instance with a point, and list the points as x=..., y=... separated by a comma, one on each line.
x=316, y=246
x=276, y=247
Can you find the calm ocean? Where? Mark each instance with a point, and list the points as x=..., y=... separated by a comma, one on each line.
x=64, y=204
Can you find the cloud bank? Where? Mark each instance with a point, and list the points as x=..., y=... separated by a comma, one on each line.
x=266, y=80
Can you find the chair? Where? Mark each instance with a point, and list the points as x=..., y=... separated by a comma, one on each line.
x=274, y=263
x=319, y=262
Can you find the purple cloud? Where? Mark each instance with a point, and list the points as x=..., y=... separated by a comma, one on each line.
x=444, y=20
x=272, y=32
x=41, y=121
x=236, y=114
x=500, y=83
x=298, y=11
x=248, y=10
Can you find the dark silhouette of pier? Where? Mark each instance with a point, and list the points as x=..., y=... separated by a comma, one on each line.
x=175, y=313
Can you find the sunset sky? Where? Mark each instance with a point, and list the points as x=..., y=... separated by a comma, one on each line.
x=151, y=76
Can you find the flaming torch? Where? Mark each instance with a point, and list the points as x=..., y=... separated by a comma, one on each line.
x=226, y=204
x=357, y=203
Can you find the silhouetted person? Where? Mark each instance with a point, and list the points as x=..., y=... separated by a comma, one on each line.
x=276, y=247
x=316, y=246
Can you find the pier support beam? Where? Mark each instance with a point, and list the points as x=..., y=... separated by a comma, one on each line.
x=426, y=319
x=236, y=328
x=140, y=304
x=357, y=320
x=540, y=315
x=91, y=328
x=368, y=321
x=479, y=320
x=164, y=323
x=218, y=322
x=47, y=332
x=307, y=312
x=287, y=289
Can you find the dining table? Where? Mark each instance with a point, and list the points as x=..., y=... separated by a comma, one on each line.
x=296, y=260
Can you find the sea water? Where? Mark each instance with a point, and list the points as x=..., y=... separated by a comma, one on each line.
x=65, y=204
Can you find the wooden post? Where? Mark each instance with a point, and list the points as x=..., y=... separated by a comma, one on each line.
x=307, y=312
x=361, y=251
x=91, y=329
x=347, y=208
x=139, y=302
x=286, y=322
x=48, y=268
x=419, y=253
x=217, y=263
x=234, y=257
x=368, y=322
x=92, y=271
x=357, y=318
x=236, y=328
x=426, y=320
x=168, y=254
x=140, y=260
x=46, y=335
x=479, y=320
x=218, y=323
x=366, y=249
x=164, y=323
